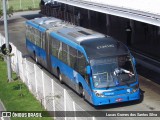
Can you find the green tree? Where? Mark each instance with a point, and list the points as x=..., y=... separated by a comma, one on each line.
x=9, y=12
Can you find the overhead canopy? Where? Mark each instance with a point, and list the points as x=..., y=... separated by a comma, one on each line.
x=147, y=11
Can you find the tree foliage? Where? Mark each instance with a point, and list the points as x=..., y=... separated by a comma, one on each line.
x=9, y=12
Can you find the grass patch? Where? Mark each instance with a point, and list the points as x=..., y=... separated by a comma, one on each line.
x=16, y=96
x=22, y=4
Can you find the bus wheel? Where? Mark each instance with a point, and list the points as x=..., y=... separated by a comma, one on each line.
x=60, y=76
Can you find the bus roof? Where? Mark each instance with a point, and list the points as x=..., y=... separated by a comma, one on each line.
x=104, y=47
x=96, y=44
x=75, y=33
x=79, y=34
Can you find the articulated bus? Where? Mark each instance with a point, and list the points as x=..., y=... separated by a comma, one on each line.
x=98, y=67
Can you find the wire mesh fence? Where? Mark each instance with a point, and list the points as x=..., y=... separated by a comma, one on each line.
x=51, y=95
x=22, y=4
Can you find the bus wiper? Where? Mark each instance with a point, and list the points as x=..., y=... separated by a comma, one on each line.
x=118, y=71
x=127, y=72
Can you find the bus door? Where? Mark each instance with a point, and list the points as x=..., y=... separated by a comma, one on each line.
x=66, y=67
x=88, y=92
x=85, y=78
x=72, y=58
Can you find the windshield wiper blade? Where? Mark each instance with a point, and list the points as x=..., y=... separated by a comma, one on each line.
x=127, y=72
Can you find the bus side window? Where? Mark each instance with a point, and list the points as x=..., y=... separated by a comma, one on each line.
x=55, y=47
x=43, y=40
x=37, y=37
x=73, y=58
x=32, y=35
x=64, y=53
x=60, y=52
x=29, y=33
x=81, y=64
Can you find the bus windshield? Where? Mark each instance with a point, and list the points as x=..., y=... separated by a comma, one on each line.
x=112, y=71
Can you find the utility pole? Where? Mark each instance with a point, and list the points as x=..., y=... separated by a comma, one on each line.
x=7, y=41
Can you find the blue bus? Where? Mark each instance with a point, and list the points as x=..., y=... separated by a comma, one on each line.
x=98, y=67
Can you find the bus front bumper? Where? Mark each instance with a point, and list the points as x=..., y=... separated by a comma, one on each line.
x=115, y=99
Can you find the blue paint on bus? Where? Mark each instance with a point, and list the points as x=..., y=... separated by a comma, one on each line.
x=39, y=52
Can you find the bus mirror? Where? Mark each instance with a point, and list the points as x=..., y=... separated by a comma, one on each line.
x=88, y=70
x=134, y=60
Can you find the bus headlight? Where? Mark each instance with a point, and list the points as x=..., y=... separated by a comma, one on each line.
x=135, y=87
x=98, y=94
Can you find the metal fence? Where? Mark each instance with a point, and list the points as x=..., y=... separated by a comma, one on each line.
x=22, y=4
x=52, y=96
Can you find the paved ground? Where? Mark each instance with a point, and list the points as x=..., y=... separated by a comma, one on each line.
x=150, y=90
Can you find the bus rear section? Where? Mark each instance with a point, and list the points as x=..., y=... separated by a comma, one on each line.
x=113, y=74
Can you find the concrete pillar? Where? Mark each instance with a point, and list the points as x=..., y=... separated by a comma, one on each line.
x=73, y=15
x=95, y=20
x=158, y=30
x=89, y=19
x=65, y=9
x=73, y=9
x=107, y=24
x=133, y=31
x=158, y=35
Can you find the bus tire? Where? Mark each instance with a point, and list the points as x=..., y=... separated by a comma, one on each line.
x=60, y=76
